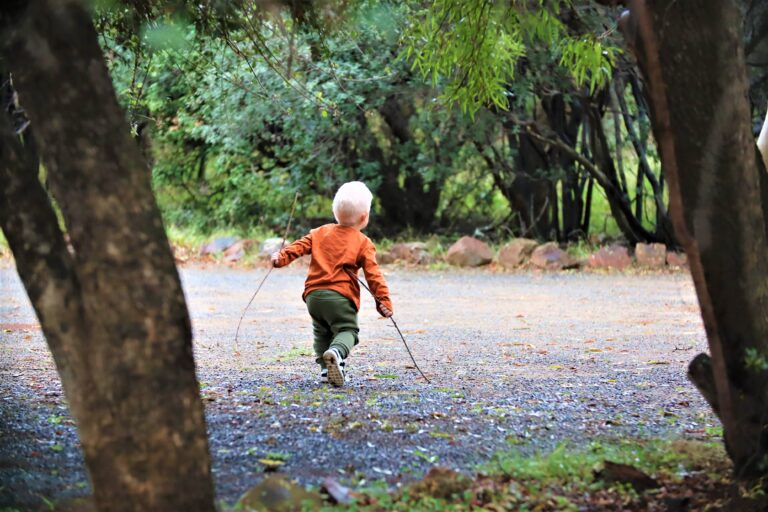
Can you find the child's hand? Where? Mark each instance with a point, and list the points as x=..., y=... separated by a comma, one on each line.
x=275, y=258
x=385, y=311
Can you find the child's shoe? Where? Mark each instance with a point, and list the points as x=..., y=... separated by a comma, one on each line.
x=324, y=375
x=335, y=365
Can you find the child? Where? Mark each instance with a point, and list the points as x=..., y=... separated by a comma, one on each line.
x=331, y=291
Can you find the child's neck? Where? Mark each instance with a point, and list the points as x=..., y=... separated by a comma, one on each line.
x=358, y=226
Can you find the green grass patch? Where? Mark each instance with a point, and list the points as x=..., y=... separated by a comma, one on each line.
x=292, y=354
x=562, y=479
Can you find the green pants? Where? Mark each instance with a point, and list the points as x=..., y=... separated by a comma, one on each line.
x=334, y=322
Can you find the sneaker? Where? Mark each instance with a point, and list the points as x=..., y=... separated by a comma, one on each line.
x=335, y=364
x=324, y=375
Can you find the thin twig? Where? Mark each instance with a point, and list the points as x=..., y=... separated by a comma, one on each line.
x=378, y=302
x=285, y=235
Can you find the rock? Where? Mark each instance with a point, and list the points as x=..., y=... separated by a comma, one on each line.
x=270, y=245
x=278, y=494
x=217, y=245
x=516, y=252
x=614, y=256
x=384, y=257
x=549, y=256
x=651, y=255
x=677, y=259
x=469, y=252
x=411, y=252
x=235, y=251
x=613, y=472
x=440, y=483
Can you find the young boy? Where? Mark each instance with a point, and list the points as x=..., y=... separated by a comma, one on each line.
x=331, y=291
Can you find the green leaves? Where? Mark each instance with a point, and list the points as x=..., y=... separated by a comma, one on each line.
x=476, y=46
x=167, y=35
x=755, y=360
x=589, y=61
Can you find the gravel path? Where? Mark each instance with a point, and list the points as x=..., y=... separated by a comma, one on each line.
x=517, y=361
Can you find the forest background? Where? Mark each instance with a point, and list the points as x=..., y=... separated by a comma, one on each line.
x=236, y=119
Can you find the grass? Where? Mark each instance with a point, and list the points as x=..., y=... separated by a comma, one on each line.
x=293, y=353
x=562, y=479
x=189, y=237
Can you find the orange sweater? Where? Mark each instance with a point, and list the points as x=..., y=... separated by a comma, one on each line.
x=335, y=248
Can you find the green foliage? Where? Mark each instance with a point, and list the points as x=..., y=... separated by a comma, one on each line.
x=239, y=108
x=477, y=46
x=755, y=360
x=562, y=479
x=238, y=123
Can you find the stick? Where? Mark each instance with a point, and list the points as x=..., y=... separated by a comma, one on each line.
x=393, y=323
x=271, y=268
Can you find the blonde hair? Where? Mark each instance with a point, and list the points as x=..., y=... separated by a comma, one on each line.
x=352, y=200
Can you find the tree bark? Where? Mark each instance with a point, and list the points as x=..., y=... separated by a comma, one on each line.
x=709, y=158
x=410, y=203
x=113, y=312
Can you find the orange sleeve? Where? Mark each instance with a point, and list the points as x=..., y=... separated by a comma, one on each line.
x=373, y=275
x=297, y=249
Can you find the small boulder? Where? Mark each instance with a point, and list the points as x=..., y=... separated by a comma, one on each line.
x=469, y=252
x=614, y=256
x=218, y=245
x=384, y=257
x=236, y=251
x=677, y=259
x=549, y=256
x=651, y=255
x=278, y=494
x=411, y=252
x=271, y=245
x=516, y=252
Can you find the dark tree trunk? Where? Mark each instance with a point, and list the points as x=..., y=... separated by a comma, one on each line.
x=709, y=158
x=412, y=203
x=529, y=189
x=567, y=129
x=113, y=312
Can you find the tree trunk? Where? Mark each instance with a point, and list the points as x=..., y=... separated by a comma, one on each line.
x=113, y=312
x=410, y=203
x=709, y=158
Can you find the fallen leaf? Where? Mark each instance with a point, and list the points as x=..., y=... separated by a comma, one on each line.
x=613, y=472
x=338, y=493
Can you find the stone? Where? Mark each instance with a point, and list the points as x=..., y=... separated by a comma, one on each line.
x=613, y=256
x=469, y=252
x=677, y=259
x=384, y=257
x=235, y=252
x=218, y=245
x=651, y=255
x=549, y=256
x=516, y=252
x=278, y=494
x=271, y=245
x=411, y=252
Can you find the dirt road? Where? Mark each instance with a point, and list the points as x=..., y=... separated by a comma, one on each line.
x=517, y=361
